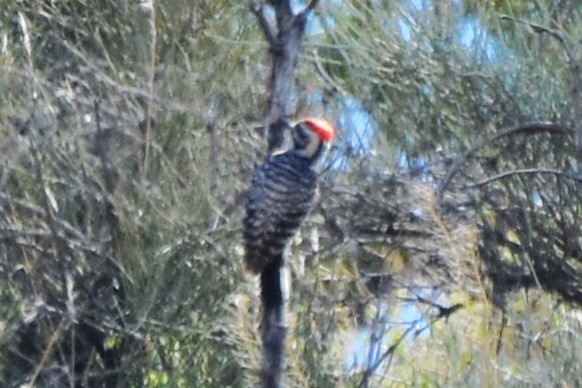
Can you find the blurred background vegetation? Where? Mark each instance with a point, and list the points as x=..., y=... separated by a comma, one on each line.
x=446, y=246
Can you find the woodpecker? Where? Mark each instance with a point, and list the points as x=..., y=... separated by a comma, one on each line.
x=280, y=196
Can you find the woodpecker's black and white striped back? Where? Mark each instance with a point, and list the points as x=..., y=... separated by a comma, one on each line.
x=278, y=200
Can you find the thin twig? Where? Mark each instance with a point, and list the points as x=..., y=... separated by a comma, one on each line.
x=537, y=28
x=367, y=373
x=535, y=170
x=48, y=351
x=319, y=67
x=151, y=88
x=444, y=313
x=528, y=128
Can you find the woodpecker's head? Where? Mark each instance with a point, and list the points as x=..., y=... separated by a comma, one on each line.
x=309, y=136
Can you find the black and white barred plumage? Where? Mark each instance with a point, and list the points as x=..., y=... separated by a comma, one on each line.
x=278, y=200
x=280, y=196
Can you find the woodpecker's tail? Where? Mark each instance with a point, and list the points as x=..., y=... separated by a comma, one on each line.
x=274, y=327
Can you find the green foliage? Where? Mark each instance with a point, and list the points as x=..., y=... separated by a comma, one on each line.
x=116, y=258
x=127, y=135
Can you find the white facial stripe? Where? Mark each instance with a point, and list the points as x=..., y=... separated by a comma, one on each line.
x=313, y=145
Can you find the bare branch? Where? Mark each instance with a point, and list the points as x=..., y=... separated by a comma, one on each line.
x=369, y=371
x=284, y=54
x=572, y=49
x=310, y=7
x=528, y=129
x=537, y=28
x=259, y=11
x=443, y=312
x=524, y=171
